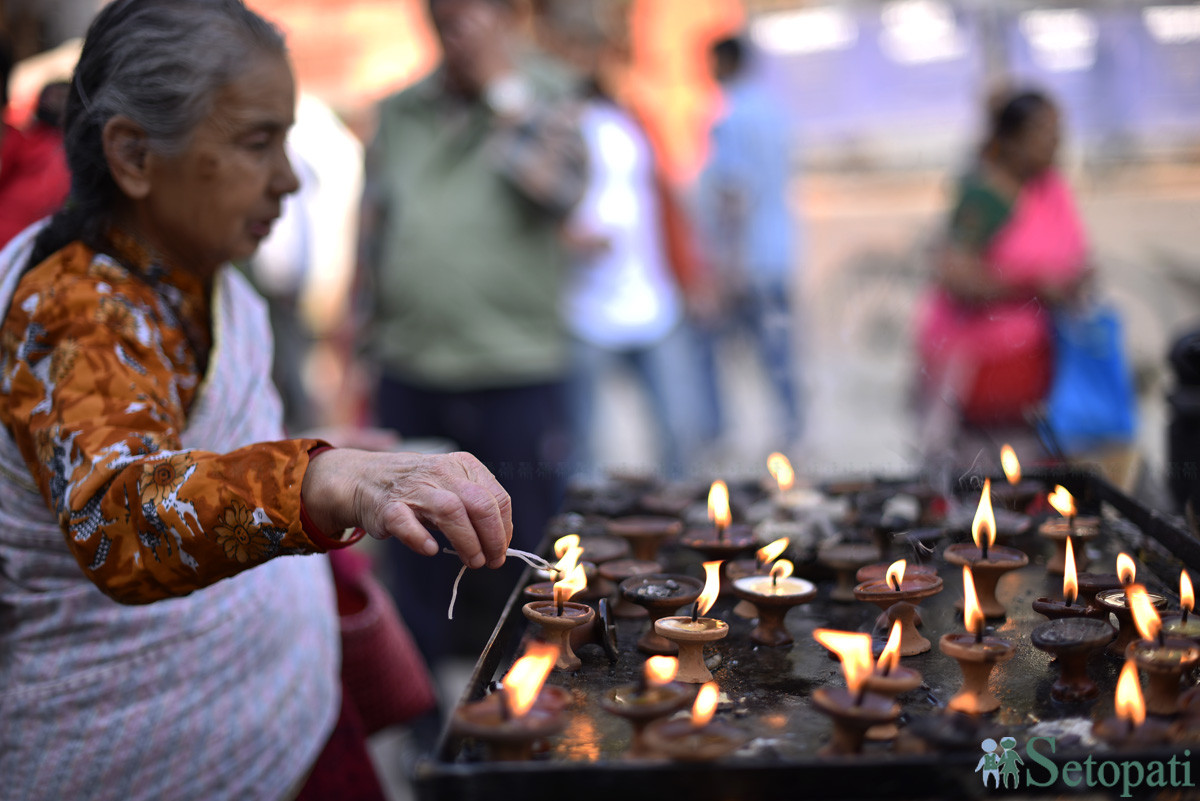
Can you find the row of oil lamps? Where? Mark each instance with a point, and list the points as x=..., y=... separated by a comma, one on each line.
x=523, y=710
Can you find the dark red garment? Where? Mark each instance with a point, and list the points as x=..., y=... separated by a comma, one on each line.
x=34, y=180
x=344, y=771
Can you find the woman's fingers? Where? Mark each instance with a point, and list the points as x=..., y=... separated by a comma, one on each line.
x=454, y=494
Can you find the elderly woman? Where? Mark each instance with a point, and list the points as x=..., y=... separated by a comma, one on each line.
x=161, y=633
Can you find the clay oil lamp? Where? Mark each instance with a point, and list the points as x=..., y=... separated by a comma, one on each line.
x=616, y=572
x=897, y=596
x=661, y=594
x=1072, y=640
x=723, y=541
x=890, y=679
x=845, y=559
x=987, y=560
x=773, y=595
x=1185, y=624
x=760, y=565
x=1115, y=601
x=512, y=718
x=1164, y=660
x=692, y=632
x=560, y=615
x=1017, y=493
x=645, y=533
x=1069, y=606
x=853, y=708
x=655, y=696
x=976, y=655
x=1070, y=528
x=699, y=737
x=1129, y=727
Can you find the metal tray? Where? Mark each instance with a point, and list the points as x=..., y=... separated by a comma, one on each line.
x=769, y=689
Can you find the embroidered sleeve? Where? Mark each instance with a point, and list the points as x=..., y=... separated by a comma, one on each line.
x=96, y=383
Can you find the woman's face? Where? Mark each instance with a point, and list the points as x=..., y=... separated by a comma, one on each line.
x=1036, y=145
x=216, y=201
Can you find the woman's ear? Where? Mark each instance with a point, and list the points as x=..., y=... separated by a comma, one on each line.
x=126, y=148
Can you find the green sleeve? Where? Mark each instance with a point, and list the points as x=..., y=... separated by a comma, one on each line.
x=979, y=214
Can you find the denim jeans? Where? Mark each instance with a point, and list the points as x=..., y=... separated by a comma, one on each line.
x=665, y=372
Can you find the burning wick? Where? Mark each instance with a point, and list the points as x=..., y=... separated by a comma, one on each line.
x=854, y=651
x=1187, y=596
x=769, y=553
x=712, y=588
x=891, y=652
x=1126, y=569
x=1064, y=504
x=972, y=614
x=983, y=527
x=895, y=573
x=1070, y=581
x=718, y=508
x=659, y=670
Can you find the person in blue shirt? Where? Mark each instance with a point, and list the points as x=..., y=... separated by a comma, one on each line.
x=750, y=235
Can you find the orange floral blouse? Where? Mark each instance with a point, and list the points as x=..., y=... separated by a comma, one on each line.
x=100, y=361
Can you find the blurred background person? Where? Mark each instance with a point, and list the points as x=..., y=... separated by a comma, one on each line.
x=305, y=269
x=630, y=249
x=1014, y=249
x=34, y=179
x=470, y=175
x=750, y=236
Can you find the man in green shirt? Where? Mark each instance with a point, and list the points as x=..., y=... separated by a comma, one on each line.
x=469, y=176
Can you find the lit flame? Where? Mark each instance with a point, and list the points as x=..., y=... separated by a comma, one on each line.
x=1062, y=501
x=771, y=552
x=718, y=504
x=1008, y=461
x=984, y=518
x=1187, y=596
x=781, y=569
x=1126, y=569
x=574, y=581
x=661, y=670
x=564, y=544
x=525, y=678
x=854, y=649
x=1145, y=616
x=890, y=658
x=972, y=613
x=781, y=470
x=1070, y=580
x=568, y=559
x=895, y=573
x=705, y=704
x=712, y=586
x=1130, y=704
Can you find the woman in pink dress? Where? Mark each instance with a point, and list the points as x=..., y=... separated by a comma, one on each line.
x=1015, y=248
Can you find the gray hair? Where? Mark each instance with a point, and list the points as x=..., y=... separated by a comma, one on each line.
x=160, y=64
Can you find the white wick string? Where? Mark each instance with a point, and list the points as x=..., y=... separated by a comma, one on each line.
x=531, y=559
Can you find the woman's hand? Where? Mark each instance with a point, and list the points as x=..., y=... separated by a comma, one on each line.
x=403, y=495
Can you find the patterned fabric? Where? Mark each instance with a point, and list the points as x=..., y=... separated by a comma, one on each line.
x=99, y=366
x=227, y=693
